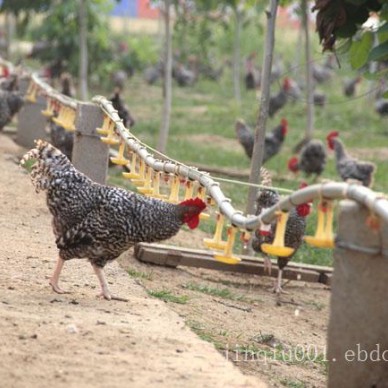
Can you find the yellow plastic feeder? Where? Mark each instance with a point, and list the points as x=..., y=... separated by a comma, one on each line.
x=228, y=257
x=201, y=193
x=189, y=190
x=119, y=159
x=132, y=174
x=216, y=242
x=49, y=111
x=156, y=187
x=69, y=119
x=104, y=130
x=324, y=237
x=140, y=181
x=110, y=137
x=147, y=188
x=31, y=93
x=174, y=193
x=277, y=248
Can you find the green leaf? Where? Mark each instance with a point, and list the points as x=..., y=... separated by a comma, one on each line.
x=385, y=94
x=379, y=52
x=360, y=50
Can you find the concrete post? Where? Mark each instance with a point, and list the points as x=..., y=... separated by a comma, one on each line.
x=31, y=122
x=358, y=327
x=90, y=154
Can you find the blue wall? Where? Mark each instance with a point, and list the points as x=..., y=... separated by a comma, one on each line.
x=125, y=8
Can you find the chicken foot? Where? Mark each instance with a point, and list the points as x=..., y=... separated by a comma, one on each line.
x=105, y=293
x=278, y=284
x=55, y=277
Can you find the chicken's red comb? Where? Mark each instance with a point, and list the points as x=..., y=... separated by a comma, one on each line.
x=332, y=134
x=303, y=185
x=303, y=209
x=292, y=164
x=286, y=83
x=196, y=202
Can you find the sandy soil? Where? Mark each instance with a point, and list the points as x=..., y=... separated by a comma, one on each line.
x=239, y=335
x=77, y=340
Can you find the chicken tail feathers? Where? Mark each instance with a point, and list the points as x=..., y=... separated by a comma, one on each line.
x=191, y=209
x=42, y=161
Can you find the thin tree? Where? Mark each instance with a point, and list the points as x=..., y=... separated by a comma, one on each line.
x=165, y=127
x=83, y=66
x=258, y=148
x=309, y=73
x=236, y=51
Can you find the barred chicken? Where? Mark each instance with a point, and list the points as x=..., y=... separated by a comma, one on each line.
x=312, y=159
x=278, y=101
x=348, y=167
x=273, y=141
x=100, y=222
x=295, y=229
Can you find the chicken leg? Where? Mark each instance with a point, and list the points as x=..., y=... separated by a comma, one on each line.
x=278, y=284
x=55, y=277
x=104, y=285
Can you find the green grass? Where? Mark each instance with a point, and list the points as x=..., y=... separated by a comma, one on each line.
x=167, y=296
x=292, y=383
x=204, y=334
x=139, y=274
x=224, y=293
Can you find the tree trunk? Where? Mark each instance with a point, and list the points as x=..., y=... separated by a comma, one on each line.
x=236, y=57
x=83, y=65
x=309, y=74
x=9, y=30
x=258, y=149
x=163, y=135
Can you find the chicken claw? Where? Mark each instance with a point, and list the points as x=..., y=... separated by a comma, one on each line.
x=55, y=278
x=56, y=288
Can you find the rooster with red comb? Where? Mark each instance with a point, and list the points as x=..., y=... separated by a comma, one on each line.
x=348, y=167
x=100, y=222
x=312, y=159
x=295, y=229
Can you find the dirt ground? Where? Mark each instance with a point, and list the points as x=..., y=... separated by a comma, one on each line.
x=184, y=326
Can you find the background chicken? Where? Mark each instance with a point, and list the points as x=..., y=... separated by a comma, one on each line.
x=100, y=222
x=312, y=159
x=252, y=73
x=59, y=137
x=278, y=101
x=272, y=143
x=11, y=101
x=122, y=109
x=347, y=166
x=381, y=107
x=295, y=229
x=349, y=86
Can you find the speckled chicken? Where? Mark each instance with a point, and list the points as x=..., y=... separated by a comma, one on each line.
x=312, y=159
x=100, y=222
x=272, y=143
x=295, y=229
x=348, y=167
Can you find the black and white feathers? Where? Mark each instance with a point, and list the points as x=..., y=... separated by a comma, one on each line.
x=100, y=222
